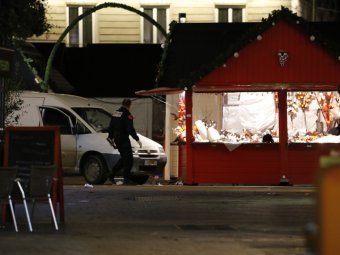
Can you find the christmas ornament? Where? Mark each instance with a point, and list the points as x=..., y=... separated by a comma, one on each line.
x=283, y=56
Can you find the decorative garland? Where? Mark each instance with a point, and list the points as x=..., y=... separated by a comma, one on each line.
x=28, y=62
x=165, y=51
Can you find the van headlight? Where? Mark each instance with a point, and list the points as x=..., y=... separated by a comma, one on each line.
x=161, y=150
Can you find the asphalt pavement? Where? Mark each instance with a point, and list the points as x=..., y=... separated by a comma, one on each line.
x=168, y=219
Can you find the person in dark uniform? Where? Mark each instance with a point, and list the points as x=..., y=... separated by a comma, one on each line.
x=121, y=127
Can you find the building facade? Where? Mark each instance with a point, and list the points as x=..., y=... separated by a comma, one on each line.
x=117, y=25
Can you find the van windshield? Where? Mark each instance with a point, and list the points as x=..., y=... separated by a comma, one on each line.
x=97, y=118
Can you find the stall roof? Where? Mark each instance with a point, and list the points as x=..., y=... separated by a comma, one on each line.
x=193, y=50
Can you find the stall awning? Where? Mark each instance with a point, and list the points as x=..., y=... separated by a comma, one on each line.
x=240, y=88
x=159, y=91
x=264, y=87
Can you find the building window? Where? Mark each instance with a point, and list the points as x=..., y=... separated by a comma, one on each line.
x=150, y=33
x=82, y=32
x=228, y=14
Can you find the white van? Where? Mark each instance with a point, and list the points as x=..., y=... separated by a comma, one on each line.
x=83, y=128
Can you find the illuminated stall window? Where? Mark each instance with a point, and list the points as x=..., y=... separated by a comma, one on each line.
x=313, y=116
x=180, y=130
x=236, y=117
x=250, y=117
x=207, y=116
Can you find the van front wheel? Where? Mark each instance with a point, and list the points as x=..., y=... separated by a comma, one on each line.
x=94, y=170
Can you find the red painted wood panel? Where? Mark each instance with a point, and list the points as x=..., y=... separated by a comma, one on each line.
x=257, y=164
x=304, y=161
x=247, y=164
x=308, y=63
x=182, y=162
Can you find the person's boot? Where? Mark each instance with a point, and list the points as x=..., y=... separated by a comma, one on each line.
x=128, y=181
x=112, y=179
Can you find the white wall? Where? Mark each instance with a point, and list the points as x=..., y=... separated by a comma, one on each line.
x=141, y=109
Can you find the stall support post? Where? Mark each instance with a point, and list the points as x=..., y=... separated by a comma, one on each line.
x=167, y=142
x=189, y=137
x=283, y=135
x=2, y=118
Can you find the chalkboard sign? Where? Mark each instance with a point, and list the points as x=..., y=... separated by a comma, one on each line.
x=26, y=146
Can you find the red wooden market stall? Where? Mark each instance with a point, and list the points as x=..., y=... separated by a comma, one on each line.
x=278, y=79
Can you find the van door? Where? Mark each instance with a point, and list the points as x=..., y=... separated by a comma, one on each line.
x=53, y=116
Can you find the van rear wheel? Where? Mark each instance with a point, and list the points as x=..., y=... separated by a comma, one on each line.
x=94, y=170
